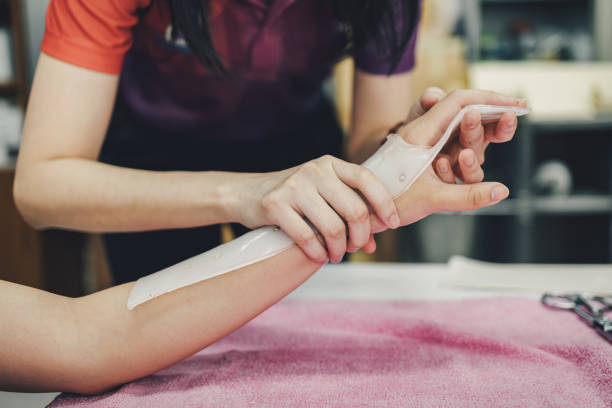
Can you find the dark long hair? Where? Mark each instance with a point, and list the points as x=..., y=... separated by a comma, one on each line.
x=390, y=23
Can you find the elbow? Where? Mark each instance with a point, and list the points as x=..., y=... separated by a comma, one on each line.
x=29, y=206
x=91, y=389
x=92, y=375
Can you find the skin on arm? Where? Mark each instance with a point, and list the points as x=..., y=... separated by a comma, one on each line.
x=379, y=102
x=60, y=183
x=91, y=344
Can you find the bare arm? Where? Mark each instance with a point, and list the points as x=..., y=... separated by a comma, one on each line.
x=88, y=345
x=379, y=102
x=59, y=182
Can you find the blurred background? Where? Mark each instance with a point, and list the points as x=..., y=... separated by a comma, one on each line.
x=557, y=54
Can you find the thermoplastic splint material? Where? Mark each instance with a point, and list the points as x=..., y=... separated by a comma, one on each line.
x=397, y=164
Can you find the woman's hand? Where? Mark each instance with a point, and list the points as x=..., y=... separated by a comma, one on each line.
x=430, y=193
x=328, y=193
x=463, y=156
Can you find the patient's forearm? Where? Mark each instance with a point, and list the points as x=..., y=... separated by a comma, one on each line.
x=90, y=344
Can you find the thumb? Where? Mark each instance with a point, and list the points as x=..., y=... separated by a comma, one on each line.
x=430, y=97
x=462, y=197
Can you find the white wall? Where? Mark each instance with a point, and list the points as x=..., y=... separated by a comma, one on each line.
x=603, y=29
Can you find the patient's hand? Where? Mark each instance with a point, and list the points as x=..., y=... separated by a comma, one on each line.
x=463, y=156
x=430, y=193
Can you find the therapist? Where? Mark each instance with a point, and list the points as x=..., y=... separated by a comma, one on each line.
x=152, y=120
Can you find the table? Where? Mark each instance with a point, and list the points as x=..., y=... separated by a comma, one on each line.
x=387, y=281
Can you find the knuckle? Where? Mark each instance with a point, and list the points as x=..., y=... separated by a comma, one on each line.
x=433, y=90
x=312, y=168
x=459, y=96
x=359, y=213
x=309, y=166
x=456, y=93
x=335, y=230
x=305, y=237
x=366, y=175
x=476, y=198
x=271, y=201
x=292, y=184
x=360, y=242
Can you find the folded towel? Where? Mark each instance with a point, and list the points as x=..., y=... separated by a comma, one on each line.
x=500, y=352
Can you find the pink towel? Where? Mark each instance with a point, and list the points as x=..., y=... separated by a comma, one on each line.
x=500, y=352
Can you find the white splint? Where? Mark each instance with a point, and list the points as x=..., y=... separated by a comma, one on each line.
x=397, y=164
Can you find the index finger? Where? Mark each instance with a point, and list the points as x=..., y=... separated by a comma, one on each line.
x=371, y=188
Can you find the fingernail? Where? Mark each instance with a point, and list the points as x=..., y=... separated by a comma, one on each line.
x=443, y=167
x=469, y=161
x=394, y=221
x=521, y=101
x=352, y=250
x=498, y=193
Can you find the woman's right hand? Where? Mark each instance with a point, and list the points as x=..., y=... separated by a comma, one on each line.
x=329, y=193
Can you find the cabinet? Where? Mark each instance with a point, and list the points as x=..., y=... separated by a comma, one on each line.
x=11, y=20
x=574, y=227
x=554, y=53
x=538, y=29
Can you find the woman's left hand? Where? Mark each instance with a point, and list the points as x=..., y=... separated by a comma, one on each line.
x=463, y=157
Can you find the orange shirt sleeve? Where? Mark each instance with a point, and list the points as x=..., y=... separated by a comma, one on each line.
x=91, y=34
